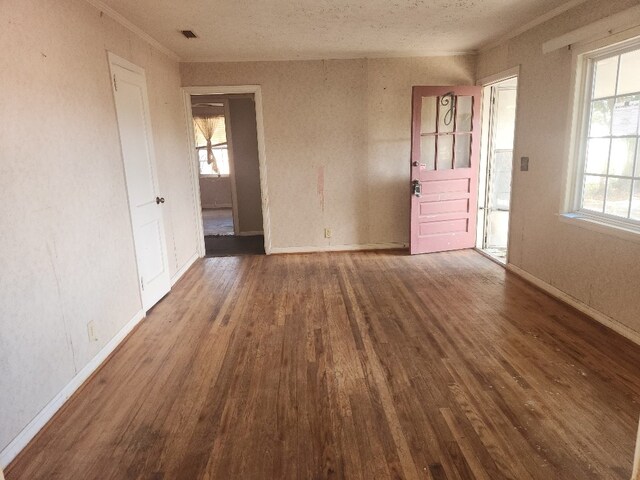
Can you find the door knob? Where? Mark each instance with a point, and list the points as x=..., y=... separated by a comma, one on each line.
x=159, y=200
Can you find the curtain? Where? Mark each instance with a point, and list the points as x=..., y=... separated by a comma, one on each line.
x=213, y=130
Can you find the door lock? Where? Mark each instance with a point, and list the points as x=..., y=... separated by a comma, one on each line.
x=159, y=200
x=416, y=188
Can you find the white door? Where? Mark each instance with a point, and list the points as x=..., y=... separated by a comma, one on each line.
x=145, y=202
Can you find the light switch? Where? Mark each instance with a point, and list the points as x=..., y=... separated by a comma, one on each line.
x=524, y=164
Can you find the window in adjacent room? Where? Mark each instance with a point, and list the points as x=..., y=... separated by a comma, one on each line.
x=608, y=181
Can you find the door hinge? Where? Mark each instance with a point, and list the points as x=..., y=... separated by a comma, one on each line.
x=142, y=283
x=115, y=83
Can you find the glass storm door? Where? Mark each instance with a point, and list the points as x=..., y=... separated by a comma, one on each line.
x=445, y=147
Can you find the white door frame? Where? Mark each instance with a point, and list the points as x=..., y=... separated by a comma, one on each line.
x=195, y=163
x=487, y=82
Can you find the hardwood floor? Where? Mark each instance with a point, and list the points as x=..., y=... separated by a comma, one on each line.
x=352, y=365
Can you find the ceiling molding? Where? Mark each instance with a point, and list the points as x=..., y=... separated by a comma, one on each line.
x=134, y=29
x=602, y=28
x=311, y=58
x=532, y=24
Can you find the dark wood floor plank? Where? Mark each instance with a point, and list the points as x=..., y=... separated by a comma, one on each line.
x=352, y=365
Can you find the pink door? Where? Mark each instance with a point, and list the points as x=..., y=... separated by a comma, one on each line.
x=445, y=153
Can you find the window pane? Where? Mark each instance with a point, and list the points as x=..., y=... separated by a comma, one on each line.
x=464, y=111
x=600, y=125
x=428, y=152
x=463, y=151
x=623, y=151
x=597, y=155
x=428, y=115
x=445, y=152
x=445, y=115
x=593, y=195
x=629, y=81
x=635, y=201
x=605, y=72
x=618, y=194
x=625, y=115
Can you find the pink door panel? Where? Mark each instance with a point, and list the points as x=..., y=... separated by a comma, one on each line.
x=445, y=153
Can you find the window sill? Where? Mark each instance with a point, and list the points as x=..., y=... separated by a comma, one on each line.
x=601, y=226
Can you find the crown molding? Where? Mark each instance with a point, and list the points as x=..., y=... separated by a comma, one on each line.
x=532, y=24
x=311, y=58
x=133, y=28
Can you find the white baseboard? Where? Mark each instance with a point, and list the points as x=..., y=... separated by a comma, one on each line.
x=178, y=275
x=40, y=420
x=598, y=316
x=339, y=248
x=215, y=206
x=250, y=234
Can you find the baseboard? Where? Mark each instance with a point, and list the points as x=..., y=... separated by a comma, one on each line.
x=636, y=459
x=250, y=234
x=178, y=275
x=577, y=304
x=41, y=419
x=339, y=248
x=215, y=206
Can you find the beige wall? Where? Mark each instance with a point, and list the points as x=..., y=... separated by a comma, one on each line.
x=66, y=247
x=244, y=137
x=215, y=192
x=599, y=270
x=337, y=141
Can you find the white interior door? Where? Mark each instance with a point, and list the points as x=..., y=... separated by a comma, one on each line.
x=145, y=202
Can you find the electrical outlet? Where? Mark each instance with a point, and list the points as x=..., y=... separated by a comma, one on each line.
x=327, y=233
x=524, y=164
x=91, y=331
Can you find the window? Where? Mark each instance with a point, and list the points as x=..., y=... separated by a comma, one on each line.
x=608, y=181
x=211, y=137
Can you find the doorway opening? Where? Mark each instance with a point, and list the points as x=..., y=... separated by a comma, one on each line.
x=496, y=167
x=229, y=178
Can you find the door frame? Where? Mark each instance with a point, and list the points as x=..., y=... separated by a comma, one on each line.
x=488, y=81
x=195, y=164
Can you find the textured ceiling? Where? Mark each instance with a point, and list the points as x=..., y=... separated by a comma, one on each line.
x=236, y=30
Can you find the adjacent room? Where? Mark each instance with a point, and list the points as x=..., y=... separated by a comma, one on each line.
x=346, y=239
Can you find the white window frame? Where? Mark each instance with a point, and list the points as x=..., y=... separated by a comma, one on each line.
x=584, y=57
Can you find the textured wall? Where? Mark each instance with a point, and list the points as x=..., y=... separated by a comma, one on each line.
x=600, y=270
x=337, y=140
x=66, y=248
x=215, y=192
x=242, y=119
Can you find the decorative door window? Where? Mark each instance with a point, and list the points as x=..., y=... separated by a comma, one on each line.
x=445, y=133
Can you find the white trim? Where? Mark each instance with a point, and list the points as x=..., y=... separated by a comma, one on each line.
x=599, y=317
x=178, y=275
x=133, y=28
x=216, y=206
x=194, y=169
x=250, y=233
x=532, y=24
x=348, y=56
x=487, y=81
x=604, y=27
x=341, y=248
x=41, y=419
x=232, y=166
x=262, y=156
